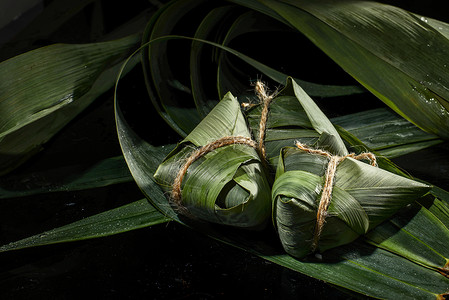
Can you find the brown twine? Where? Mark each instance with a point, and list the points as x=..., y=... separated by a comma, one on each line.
x=224, y=141
x=265, y=98
x=326, y=194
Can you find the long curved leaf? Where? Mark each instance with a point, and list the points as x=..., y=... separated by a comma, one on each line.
x=174, y=97
x=169, y=95
x=429, y=245
x=42, y=90
x=367, y=40
x=106, y=172
x=198, y=68
x=131, y=216
x=252, y=22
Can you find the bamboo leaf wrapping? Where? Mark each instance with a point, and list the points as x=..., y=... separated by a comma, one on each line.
x=228, y=185
x=363, y=196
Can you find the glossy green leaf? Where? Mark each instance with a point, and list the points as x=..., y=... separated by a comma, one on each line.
x=42, y=90
x=370, y=271
x=427, y=234
x=132, y=216
x=368, y=39
x=143, y=160
x=385, y=132
x=198, y=68
x=175, y=95
x=170, y=96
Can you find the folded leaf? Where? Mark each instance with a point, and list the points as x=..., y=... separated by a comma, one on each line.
x=227, y=185
x=362, y=197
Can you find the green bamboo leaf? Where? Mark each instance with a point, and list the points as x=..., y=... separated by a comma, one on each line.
x=207, y=30
x=385, y=132
x=143, y=159
x=441, y=27
x=169, y=96
x=382, y=161
x=225, y=120
x=371, y=38
x=372, y=272
x=358, y=267
x=374, y=195
x=318, y=120
x=132, y=216
x=228, y=185
x=170, y=93
x=424, y=225
x=426, y=233
x=230, y=77
x=42, y=90
x=106, y=172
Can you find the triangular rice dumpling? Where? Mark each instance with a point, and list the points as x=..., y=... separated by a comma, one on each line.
x=227, y=185
x=362, y=197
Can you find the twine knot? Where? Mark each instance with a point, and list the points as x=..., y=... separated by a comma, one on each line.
x=326, y=194
x=265, y=99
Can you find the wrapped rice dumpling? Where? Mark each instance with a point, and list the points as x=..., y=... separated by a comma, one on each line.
x=360, y=197
x=215, y=174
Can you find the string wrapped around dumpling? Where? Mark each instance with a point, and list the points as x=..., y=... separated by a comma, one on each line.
x=361, y=196
x=215, y=174
x=293, y=116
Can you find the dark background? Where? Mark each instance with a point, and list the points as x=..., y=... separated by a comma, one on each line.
x=166, y=261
